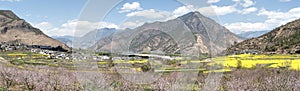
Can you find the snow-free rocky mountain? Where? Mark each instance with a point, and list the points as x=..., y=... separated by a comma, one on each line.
x=13, y=28
x=92, y=37
x=282, y=40
x=86, y=40
x=252, y=34
x=189, y=34
x=67, y=39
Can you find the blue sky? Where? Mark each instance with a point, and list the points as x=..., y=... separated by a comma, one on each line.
x=63, y=17
x=36, y=11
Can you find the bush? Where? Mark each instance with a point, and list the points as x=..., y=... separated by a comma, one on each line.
x=146, y=68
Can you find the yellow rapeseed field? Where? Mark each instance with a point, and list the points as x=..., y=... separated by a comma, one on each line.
x=269, y=61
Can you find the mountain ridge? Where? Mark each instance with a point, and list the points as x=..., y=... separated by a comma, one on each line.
x=14, y=28
x=191, y=32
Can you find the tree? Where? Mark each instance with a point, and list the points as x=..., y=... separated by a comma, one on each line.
x=8, y=76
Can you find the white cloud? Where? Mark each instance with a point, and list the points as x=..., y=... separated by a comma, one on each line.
x=248, y=10
x=212, y=10
x=127, y=7
x=285, y=0
x=137, y=18
x=151, y=13
x=274, y=19
x=224, y=10
x=183, y=10
x=10, y=0
x=131, y=24
x=244, y=26
x=44, y=26
x=213, y=1
x=247, y=6
x=280, y=17
x=247, y=3
x=73, y=27
x=217, y=10
x=236, y=0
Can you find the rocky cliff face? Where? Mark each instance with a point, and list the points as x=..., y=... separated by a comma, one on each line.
x=185, y=34
x=282, y=40
x=153, y=40
x=13, y=28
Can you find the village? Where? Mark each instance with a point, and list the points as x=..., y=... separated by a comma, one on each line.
x=36, y=54
x=52, y=52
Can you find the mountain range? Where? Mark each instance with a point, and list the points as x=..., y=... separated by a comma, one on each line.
x=86, y=40
x=13, y=28
x=252, y=34
x=67, y=39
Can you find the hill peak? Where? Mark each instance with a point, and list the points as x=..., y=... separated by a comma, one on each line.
x=9, y=14
x=194, y=14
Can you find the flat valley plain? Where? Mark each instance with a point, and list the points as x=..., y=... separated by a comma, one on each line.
x=239, y=72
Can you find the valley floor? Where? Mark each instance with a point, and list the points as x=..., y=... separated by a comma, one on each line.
x=237, y=72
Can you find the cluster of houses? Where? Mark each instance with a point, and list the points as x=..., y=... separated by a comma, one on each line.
x=8, y=46
x=55, y=54
x=281, y=51
x=47, y=50
x=52, y=54
x=251, y=51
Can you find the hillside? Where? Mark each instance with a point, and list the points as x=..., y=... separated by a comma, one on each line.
x=190, y=33
x=282, y=40
x=13, y=28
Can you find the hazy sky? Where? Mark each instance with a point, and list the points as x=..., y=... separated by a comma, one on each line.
x=59, y=17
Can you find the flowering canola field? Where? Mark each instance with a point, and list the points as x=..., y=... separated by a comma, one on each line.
x=251, y=61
